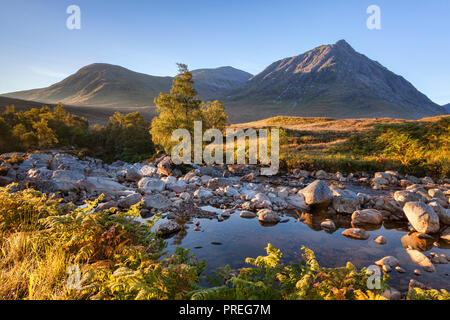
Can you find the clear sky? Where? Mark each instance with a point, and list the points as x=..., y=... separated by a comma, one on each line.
x=150, y=36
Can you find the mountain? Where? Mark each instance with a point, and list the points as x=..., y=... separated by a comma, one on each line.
x=109, y=85
x=447, y=107
x=330, y=80
x=333, y=81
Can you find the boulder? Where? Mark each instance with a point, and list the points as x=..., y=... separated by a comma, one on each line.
x=404, y=196
x=296, y=202
x=130, y=200
x=99, y=185
x=247, y=214
x=437, y=193
x=165, y=166
x=380, y=240
x=133, y=173
x=157, y=201
x=317, y=194
x=356, y=233
x=328, y=224
x=4, y=181
x=149, y=185
x=203, y=193
x=39, y=173
x=167, y=227
x=388, y=261
x=345, y=201
x=422, y=217
x=148, y=170
x=445, y=235
x=421, y=259
x=367, y=216
x=268, y=216
x=443, y=213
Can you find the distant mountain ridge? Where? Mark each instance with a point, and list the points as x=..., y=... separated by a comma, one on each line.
x=102, y=84
x=330, y=80
x=447, y=107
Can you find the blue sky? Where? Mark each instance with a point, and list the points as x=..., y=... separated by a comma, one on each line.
x=151, y=36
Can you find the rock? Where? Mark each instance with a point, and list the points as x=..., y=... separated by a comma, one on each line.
x=260, y=200
x=400, y=269
x=422, y=217
x=157, y=201
x=129, y=201
x=356, y=233
x=427, y=180
x=297, y=202
x=317, y=194
x=421, y=259
x=99, y=185
x=380, y=181
x=392, y=294
x=231, y=192
x=328, y=224
x=107, y=205
x=437, y=193
x=345, y=201
x=148, y=170
x=389, y=261
x=39, y=173
x=321, y=174
x=443, y=213
x=203, y=193
x=247, y=214
x=149, y=185
x=416, y=241
x=165, y=166
x=380, y=240
x=367, y=216
x=216, y=183
x=248, y=177
x=445, y=235
x=417, y=272
x=268, y=216
x=167, y=227
x=404, y=196
x=4, y=181
x=133, y=173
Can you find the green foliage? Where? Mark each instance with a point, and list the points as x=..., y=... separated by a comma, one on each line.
x=270, y=279
x=422, y=294
x=180, y=108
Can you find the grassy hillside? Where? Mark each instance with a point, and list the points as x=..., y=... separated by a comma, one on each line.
x=416, y=147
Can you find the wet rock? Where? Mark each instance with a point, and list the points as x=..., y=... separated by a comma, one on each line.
x=297, y=202
x=247, y=214
x=445, y=235
x=400, y=269
x=356, y=233
x=317, y=194
x=167, y=227
x=416, y=241
x=367, y=216
x=268, y=216
x=380, y=240
x=345, y=201
x=260, y=201
x=389, y=261
x=421, y=259
x=417, y=272
x=328, y=224
x=157, y=201
x=422, y=217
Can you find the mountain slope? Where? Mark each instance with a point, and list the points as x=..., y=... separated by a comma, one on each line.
x=447, y=107
x=332, y=80
x=103, y=84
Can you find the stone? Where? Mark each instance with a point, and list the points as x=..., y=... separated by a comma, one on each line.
x=39, y=173
x=157, y=201
x=167, y=227
x=4, y=181
x=328, y=224
x=203, y=193
x=367, y=216
x=297, y=202
x=317, y=193
x=133, y=173
x=389, y=261
x=149, y=185
x=106, y=205
x=129, y=200
x=148, y=170
x=356, y=233
x=268, y=216
x=422, y=217
x=437, y=193
x=231, y=192
x=165, y=166
x=445, y=235
x=392, y=294
x=380, y=240
x=403, y=196
x=345, y=201
x=247, y=214
x=421, y=259
x=400, y=269
x=443, y=213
